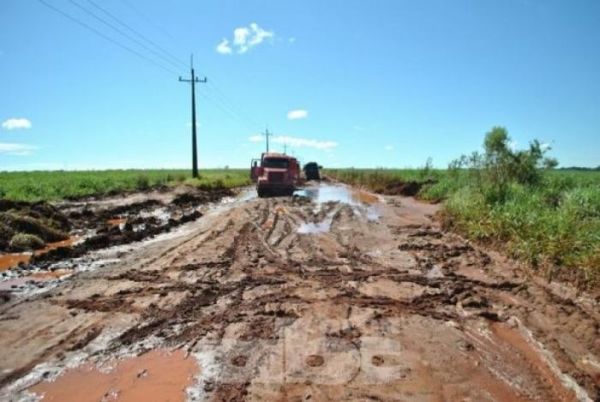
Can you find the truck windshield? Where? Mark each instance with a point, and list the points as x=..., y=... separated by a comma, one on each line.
x=278, y=163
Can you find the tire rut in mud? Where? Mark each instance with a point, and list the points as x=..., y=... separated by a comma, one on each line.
x=254, y=271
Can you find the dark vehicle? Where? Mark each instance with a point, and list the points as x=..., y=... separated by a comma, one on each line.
x=277, y=174
x=311, y=171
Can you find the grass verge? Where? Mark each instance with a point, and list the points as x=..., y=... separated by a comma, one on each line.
x=552, y=225
x=56, y=185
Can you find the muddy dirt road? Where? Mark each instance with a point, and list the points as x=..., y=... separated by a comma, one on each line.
x=332, y=294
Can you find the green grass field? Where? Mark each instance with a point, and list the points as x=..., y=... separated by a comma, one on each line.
x=56, y=185
x=553, y=225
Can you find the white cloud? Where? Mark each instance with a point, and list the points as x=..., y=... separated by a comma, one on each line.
x=297, y=114
x=296, y=141
x=16, y=123
x=389, y=147
x=292, y=39
x=16, y=149
x=244, y=38
x=224, y=47
x=240, y=38
x=258, y=35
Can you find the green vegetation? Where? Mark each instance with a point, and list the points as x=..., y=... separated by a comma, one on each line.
x=514, y=200
x=56, y=185
x=27, y=228
x=24, y=242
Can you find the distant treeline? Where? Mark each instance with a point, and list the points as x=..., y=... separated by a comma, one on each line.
x=590, y=169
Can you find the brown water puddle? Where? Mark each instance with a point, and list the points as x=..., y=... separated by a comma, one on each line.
x=339, y=193
x=364, y=197
x=158, y=375
x=116, y=221
x=11, y=260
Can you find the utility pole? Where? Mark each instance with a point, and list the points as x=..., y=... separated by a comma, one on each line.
x=285, y=148
x=267, y=135
x=193, y=81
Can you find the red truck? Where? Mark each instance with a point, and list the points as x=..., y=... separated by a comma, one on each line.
x=275, y=174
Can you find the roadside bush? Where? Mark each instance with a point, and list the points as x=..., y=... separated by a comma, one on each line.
x=29, y=225
x=6, y=233
x=512, y=200
x=142, y=183
x=552, y=222
x=25, y=242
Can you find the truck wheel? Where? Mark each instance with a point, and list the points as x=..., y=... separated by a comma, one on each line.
x=261, y=193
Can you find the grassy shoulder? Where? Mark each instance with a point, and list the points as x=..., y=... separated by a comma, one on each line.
x=548, y=218
x=57, y=185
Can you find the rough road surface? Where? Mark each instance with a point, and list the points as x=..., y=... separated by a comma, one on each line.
x=333, y=294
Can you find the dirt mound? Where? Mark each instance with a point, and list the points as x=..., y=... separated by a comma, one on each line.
x=25, y=226
x=102, y=223
x=408, y=188
x=200, y=196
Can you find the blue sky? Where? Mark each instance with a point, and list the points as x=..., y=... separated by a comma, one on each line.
x=368, y=84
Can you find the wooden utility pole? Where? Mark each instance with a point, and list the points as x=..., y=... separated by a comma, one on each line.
x=267, y=135
x=193, y=81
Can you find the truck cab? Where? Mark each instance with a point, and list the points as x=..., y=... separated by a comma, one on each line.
x=275, y=174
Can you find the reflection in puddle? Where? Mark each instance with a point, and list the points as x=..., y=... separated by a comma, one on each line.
x=363, y=203
x=338, y=193
x=158, y=375
x=31, y=281
x=246, y=195
x=314, y=228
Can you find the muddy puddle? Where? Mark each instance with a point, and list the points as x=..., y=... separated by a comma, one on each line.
x=316, y=227
x=106, y=229
x=338, y=193
x=158, y=375
x=11, y=260
x=116, y=221
x=362, y=202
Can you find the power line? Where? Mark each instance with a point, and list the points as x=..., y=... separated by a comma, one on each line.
x=143, y=37
x=220, y=99
x=105, y=37
x=231, y=105
x=226, y=110
x=224, y=107
x=126, y=35
x=144, y=17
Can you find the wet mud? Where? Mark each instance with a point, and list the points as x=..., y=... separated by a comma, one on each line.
x=96, y=225
x=330, y=294
x=158, y=375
